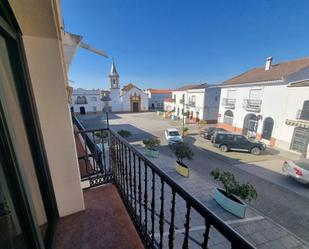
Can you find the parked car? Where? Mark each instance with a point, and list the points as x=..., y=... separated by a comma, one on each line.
x=210, y=131
x=172, y=136
x=230, y=141
x=298, y=169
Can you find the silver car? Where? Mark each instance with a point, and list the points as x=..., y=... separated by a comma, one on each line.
x=298, y=169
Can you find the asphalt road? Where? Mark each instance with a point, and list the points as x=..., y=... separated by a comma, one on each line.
x=286, y=204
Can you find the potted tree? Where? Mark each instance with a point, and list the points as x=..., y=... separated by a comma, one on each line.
x=102, y=137
x=185, y=130
x=124, y=133
x=232, y=194
x=182, y=150
x=151, y=145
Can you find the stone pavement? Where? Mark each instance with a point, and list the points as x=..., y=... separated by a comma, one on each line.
x=256, y=228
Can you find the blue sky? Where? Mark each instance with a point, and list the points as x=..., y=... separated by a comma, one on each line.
x=166, y=44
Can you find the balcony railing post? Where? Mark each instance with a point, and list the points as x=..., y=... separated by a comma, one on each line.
x=126, y=174
x=206, y=234
x=171, y=235
x=140, y=191
x=187, y=227
x=153, y=208
x=161, y=222
x=130, y=177
x=145, y=199
x=134, y=181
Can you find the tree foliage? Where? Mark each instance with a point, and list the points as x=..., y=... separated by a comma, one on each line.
x=231, y=186
x=152, y=143
x=182, y=150
x=124, y=133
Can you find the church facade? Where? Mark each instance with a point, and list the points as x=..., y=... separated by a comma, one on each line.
x=128, y=99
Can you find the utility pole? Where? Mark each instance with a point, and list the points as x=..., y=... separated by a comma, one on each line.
x=183, y=115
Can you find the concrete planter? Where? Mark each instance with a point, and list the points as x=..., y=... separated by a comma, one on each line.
x=182, y=169
x=174, y=117
x=233, y=204
x=152, y=153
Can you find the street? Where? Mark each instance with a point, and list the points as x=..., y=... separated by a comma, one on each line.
x=281, y=200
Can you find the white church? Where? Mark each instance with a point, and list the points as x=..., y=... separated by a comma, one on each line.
x=129, y=99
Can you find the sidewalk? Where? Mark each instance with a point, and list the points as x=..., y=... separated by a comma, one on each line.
x=259, y=230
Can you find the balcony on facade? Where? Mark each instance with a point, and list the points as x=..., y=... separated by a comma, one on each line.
x=228, y=103
x=181, y=101
x=302, y=114
x=157, y=206
x=252, y=105
x=191, y=104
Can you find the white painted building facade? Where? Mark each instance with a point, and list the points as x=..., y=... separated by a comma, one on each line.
x=156, y=98
x=129, y=99
x=84, y=100
x=261, y=109
x=200, y=102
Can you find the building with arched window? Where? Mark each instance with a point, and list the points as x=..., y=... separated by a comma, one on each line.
x=269, y=103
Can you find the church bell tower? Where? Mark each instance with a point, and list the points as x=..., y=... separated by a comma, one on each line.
x=115, y=89
x=114, y=78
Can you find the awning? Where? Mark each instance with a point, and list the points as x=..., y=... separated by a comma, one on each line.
x=298, y=123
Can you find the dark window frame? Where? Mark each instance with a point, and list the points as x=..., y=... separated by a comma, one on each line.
x=10, y=30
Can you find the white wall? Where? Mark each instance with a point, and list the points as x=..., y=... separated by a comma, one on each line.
x=199, y=102
x=116, y=100
x=212, y=101
x=93, y=105
x=278, y=102
x=126, y=99
x=157, y=100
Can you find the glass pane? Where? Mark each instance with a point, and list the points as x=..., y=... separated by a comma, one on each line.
x=11, y=236
x=13, y=117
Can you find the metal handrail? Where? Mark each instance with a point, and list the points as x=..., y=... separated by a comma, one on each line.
x=120, y=173
x=236, y=239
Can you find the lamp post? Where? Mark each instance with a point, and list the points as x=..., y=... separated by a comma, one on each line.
x=183, y=115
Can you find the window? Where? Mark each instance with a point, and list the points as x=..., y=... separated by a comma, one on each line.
x=228, y=117
x=93, y=98
x=241, y=139
x=305, y=111
x=255, y=94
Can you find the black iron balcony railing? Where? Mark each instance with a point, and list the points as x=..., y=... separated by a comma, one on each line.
x=81, y=102
x=191, y=104
x=228, y=103
x=252, y=105
x=161, y=210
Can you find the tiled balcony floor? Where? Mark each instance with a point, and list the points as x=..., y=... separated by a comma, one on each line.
x=104, y=224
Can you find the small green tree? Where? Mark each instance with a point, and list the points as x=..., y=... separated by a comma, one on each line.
x=152, y=143
x=101, y=134
x=231, y=186
x=182, y=150
x=124, y=133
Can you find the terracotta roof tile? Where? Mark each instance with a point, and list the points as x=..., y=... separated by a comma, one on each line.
x=186, y=87
x=276, y=72
x=160, y=91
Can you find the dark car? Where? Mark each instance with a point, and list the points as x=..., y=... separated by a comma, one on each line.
x=210, y=131
x=229, y=141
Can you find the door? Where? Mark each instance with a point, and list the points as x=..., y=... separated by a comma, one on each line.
x=82, y=110
x=135, y=106
x=300, y=140
x=267, y=128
